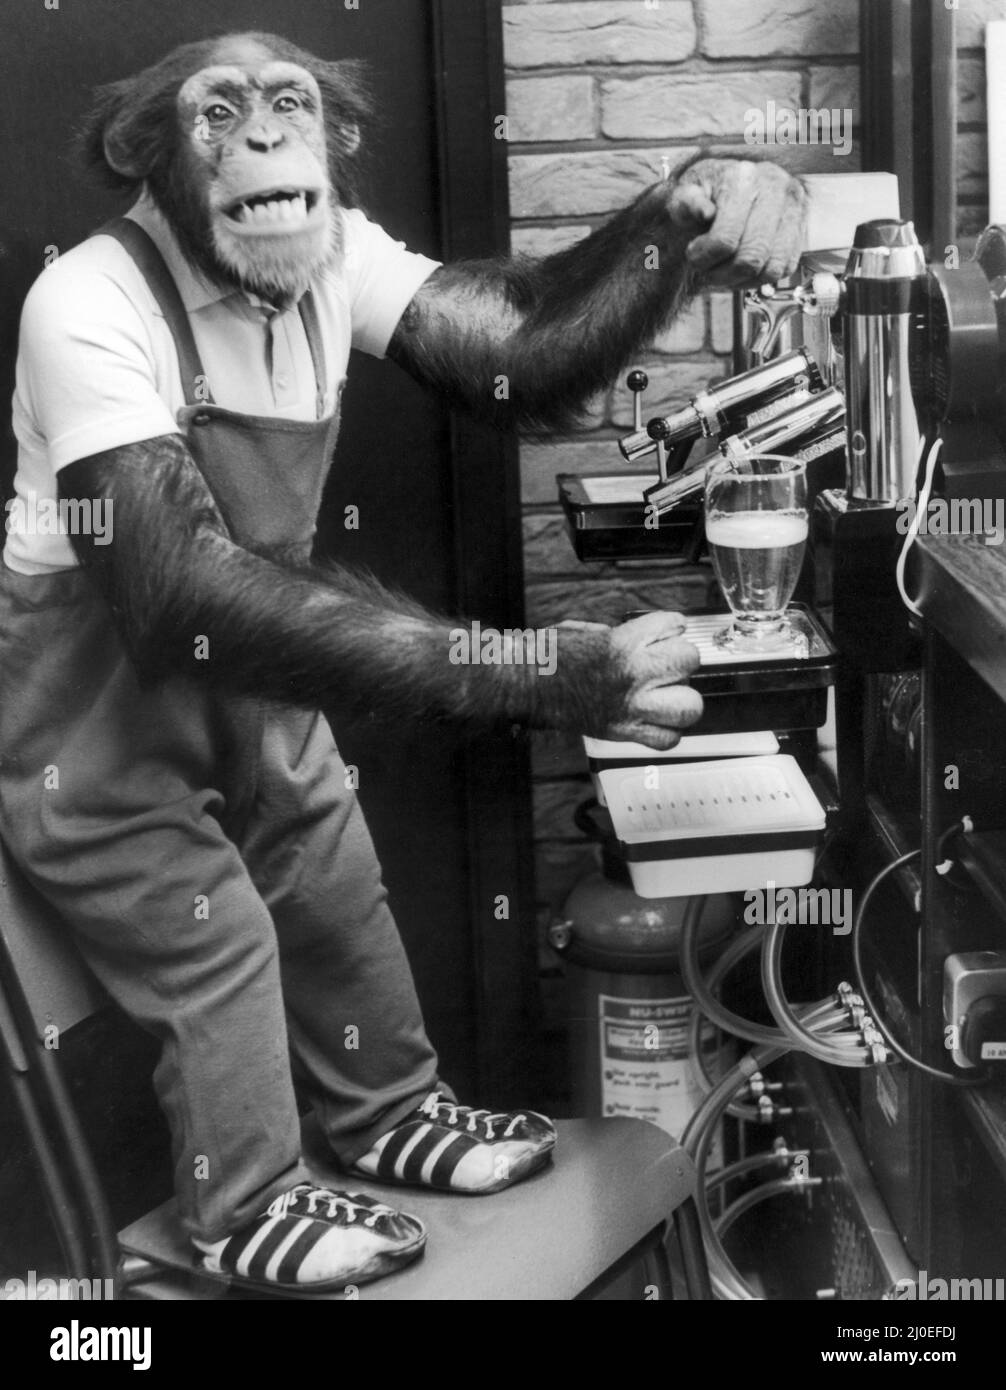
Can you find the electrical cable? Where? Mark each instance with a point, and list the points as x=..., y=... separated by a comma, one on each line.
x=857, y=965
x=921, y=508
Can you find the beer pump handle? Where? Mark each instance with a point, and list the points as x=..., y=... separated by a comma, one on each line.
x=772, y=308
x=658, y=430
x=637, y=382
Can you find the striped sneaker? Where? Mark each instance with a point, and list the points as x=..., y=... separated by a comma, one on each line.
x=457, y=1149
x=313, y=1240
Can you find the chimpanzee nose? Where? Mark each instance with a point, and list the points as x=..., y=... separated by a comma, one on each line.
x=264, y=138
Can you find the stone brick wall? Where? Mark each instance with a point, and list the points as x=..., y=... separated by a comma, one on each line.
x=600, y=94
x=972, y=142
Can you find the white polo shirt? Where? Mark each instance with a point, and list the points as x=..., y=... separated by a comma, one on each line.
x=97, y=366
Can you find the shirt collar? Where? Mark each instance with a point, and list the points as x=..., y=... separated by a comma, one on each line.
x=197, y=291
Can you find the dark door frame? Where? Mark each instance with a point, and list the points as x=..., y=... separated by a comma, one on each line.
x=475, y=215
x=909, y=115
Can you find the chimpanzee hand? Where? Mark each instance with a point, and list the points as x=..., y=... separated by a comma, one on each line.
x=755, y=215
x=656, y=659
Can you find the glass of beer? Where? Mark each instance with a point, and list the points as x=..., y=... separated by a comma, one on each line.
x=756, y=528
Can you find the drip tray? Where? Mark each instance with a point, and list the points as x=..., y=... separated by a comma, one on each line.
x=607, y=517
x=715, y=827
x=808, y=642
x=783, y=690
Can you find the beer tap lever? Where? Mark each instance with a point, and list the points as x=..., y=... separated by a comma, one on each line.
x=772, y=308
x=659, y=430
x=637, y=382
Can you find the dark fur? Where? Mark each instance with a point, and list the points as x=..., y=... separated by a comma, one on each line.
x=580, y=317
x=311, y=636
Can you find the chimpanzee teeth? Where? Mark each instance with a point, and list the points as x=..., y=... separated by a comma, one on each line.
x=282, y=208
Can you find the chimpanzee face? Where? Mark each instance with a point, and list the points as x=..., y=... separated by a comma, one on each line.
x=247, y=145
x=256, y=141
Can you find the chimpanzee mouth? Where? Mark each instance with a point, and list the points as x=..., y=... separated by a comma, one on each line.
x=279, y=210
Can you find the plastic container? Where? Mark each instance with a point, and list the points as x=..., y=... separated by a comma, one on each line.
x=715, y=827
x=604, y=754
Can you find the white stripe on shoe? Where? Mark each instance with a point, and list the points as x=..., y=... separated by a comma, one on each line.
x=403, y=1157
x=426, y=1172
x=242, y=1265
x=271, y=1272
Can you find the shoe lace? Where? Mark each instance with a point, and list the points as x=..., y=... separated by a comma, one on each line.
x=315, y=1201
x=435, y=1107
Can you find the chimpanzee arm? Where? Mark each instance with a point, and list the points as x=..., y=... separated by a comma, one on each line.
x=525, y=342
x=332, y=637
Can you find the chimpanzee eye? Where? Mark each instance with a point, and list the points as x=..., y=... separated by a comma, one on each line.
x=285, y=104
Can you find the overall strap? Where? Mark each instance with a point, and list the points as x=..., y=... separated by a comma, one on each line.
x=158, y=277
x=312, y=329
x=151, y=263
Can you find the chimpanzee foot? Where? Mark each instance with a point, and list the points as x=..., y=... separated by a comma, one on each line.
x=457, y=1149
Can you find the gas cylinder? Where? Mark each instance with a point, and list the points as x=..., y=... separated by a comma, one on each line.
x=627, y=1007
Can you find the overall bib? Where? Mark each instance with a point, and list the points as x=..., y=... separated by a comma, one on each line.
x=214, y=867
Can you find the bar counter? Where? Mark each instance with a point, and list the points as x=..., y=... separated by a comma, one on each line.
x=961, y=583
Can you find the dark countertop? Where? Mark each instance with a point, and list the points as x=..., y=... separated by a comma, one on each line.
x=961, y=584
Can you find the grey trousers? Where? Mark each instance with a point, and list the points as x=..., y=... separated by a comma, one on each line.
x=220, y=881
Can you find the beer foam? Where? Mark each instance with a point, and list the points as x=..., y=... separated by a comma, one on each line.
x=756, y=530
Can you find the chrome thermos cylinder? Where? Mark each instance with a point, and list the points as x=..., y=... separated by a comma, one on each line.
x=885, y=282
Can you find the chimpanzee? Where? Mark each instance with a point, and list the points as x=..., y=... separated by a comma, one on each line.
x=167, y=780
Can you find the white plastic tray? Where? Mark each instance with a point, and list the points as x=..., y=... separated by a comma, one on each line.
x=697, y=746
x=688, y=808
x=602, y=752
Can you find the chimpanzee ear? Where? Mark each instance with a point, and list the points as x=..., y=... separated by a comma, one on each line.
x=129, y=130
x=346, y=102
x=121, y=154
